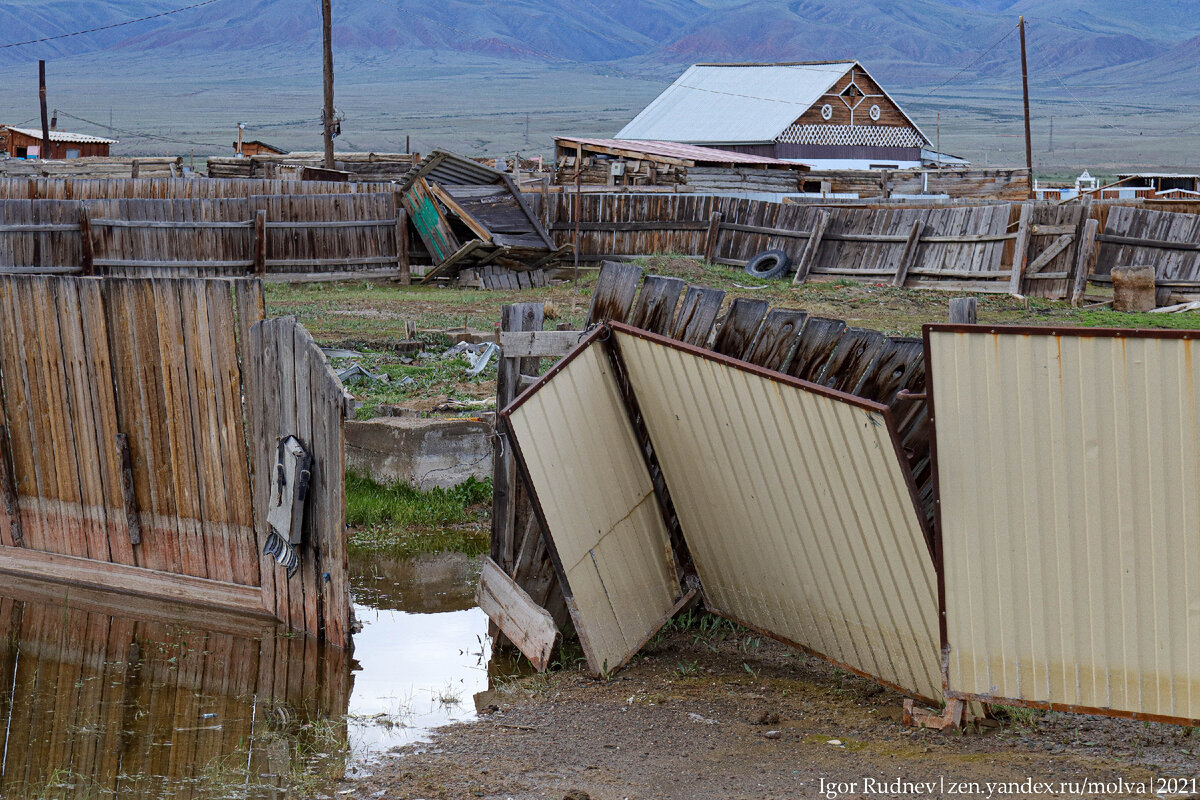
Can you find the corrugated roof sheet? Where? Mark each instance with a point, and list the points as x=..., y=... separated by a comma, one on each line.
x=64, y=136
x=734, y=103
x=1069, y=486
x=685, y=152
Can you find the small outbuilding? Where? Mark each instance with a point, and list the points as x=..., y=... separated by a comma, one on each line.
x=27, y=143
x=255, y=148
x=832, y=115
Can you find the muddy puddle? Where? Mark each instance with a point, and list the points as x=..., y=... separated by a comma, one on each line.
x=104, y=696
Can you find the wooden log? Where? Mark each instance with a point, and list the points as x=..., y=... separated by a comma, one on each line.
x=711, y=243
x=260, y=243
x=1021, y=253
x=1085, y=260
x=808, y=257
x=526, y=624
x=962, y=310
x=908, y=258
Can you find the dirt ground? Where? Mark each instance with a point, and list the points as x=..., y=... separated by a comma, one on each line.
x=733, y=715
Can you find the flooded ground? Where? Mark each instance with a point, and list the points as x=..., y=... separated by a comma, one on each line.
x=103, y=696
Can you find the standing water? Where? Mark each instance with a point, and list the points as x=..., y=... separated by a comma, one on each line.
x=108, y=696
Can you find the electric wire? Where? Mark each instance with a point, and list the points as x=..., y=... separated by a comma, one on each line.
x=110, y=26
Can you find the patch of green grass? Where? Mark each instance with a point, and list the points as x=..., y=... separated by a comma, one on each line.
x=404, y=506
x=403, y=521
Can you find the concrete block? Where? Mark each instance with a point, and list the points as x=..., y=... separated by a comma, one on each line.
x=427, y=453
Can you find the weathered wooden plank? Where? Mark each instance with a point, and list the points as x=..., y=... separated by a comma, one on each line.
x=538, y=344
x=897, y=361
x=779, y=335
x=812, y=248
x=1021, y=253
x=818, y=340
x=1057, y=246
x=854, y=356
x=908, y=257
x=526, y=624
x=613, y=296
x=655, y=307
x=1085, y=260
x=737, y=332
x=697, y=315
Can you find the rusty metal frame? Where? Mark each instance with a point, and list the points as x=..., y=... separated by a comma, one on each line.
x=1022, y=330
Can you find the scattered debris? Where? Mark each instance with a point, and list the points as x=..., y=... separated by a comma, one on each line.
x=1178, y=308
x=701, y=719
x=772, y=734
x=357, y=373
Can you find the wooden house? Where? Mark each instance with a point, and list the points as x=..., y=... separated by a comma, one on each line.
x=254, y=148
x=27, y=143
x=831, y=115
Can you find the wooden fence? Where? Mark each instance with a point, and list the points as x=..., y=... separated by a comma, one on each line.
x=123, y=456
x=146, y=702
x=888, y=370
x=1170, y=242
x=259, y=234
x=963, y=248
x=170, y=188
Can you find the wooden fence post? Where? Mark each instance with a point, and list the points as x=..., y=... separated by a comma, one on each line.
x=133, y=169
x=403, y=264
x=808, y=257
x=1085, y=260
x=1021, y=252
x=518, y=317
x=962, y=310
x=87, y=255
x=260, y=243
x=8, y=486
x=714, y=233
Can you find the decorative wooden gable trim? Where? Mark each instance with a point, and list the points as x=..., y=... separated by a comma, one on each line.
x=855, y=111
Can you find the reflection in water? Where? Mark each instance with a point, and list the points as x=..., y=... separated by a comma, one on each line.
x=103, y=696
x=98, y=702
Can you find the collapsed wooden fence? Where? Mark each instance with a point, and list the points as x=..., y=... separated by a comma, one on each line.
x=124, y=460
x=858, y=361
x=171, y=188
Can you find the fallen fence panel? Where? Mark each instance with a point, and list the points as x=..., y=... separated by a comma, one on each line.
x=593, y=492
x=796, y=507
x=1069, y=486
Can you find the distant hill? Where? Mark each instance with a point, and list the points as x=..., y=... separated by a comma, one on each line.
x=917, y=39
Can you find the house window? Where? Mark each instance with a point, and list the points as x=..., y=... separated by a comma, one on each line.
x=73, y=153
x=22, y=152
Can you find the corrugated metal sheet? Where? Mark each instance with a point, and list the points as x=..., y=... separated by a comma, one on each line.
x=1069, y=478
x=451, y=169
x=796, y=508
x=687, y=152
x=64, y=136
x=732, y=103
x=594, y=491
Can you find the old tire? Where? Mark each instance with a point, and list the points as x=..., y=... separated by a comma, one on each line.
x=768, y=264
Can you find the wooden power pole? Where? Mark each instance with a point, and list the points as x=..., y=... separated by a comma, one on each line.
x=327, y=42
x=45, y=116
x=1025, y=89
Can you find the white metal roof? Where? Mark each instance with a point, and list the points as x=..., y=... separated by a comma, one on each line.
x=64, y=136
x=725, y=103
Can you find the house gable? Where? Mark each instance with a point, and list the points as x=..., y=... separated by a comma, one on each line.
x=855, y=110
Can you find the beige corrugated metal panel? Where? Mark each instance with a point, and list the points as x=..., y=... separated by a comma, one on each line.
x=594, y=490
x=1069, y=478
x=796, y=510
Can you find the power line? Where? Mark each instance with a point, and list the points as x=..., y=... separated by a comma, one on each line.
x=138, y=134
x=108, y=27
x=974, y=61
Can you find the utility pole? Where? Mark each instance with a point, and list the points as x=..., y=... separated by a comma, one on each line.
x=1025, y=89
x=1052, y=134
x=939, y=140
x=45, y=116
x=327, y=115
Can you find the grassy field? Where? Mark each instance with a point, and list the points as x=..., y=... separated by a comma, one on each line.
x=370, y=318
